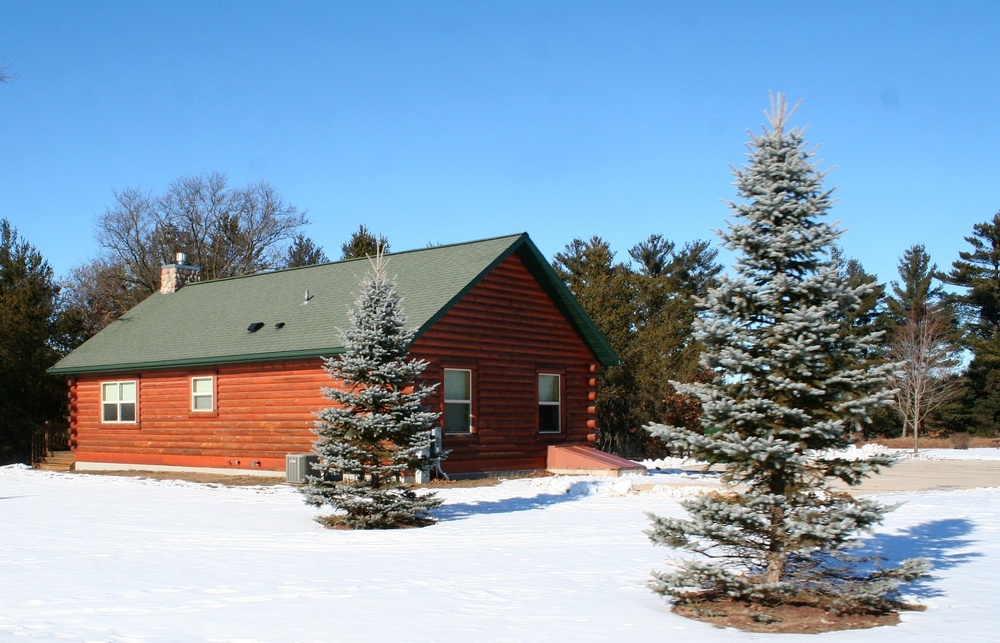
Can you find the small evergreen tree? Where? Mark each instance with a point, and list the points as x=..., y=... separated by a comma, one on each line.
x=377, y=430
x=794, y=381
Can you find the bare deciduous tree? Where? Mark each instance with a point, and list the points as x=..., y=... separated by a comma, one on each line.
x=927, y=355
x=226, y=231
x=99, y=293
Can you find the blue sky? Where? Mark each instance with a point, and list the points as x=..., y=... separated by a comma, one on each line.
x=450, y=121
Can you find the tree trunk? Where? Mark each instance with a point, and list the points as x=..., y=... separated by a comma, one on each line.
x=776, y=554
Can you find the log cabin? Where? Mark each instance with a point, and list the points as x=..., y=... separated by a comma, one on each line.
x=226, y=375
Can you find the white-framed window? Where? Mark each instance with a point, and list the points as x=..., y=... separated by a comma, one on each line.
x=203, y=393
x=457, y=400
x=118, y=402
x=549, y=403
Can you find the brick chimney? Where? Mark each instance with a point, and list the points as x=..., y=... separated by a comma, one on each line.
x=173, y=276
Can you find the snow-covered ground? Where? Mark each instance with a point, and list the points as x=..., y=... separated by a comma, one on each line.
x=856, y=453
x=951, y=454
x=102, y=558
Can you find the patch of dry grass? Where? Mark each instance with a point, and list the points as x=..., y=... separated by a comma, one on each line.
x=193, y=476
x=935, y=443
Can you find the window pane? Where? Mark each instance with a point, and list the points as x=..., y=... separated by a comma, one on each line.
x=548, y=388
x=109, y=392
x=128, y=392
x=548, y=418
x=202, y=402
x=202, y=385
x=457, y=384
x=109, y=413
x=456, y=417
x=128, y=412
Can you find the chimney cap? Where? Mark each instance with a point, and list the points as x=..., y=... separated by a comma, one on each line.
x=181, y=257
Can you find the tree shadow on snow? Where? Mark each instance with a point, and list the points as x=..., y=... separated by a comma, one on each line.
x=936, y=541
x=462, y=510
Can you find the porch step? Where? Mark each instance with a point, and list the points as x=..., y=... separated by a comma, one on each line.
x=586, y=460
x=57, y=461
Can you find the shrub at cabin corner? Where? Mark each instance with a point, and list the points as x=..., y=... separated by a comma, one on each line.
x=378, y=430
x=794, y=382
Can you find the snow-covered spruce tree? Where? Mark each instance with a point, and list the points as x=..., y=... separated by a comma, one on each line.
x=377, y=429
x=793, y=382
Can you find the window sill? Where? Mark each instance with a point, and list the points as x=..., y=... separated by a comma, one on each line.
x=464, y=437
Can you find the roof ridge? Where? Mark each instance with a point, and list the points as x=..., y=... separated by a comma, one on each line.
x=353, y=259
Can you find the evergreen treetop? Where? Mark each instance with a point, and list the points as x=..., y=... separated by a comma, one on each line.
x=363, y=243
x=978, y=272
x=915, y=294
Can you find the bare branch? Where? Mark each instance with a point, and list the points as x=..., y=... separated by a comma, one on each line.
x=928, y=359
x=225, y=231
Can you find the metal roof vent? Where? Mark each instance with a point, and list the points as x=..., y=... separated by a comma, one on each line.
x=254, y=327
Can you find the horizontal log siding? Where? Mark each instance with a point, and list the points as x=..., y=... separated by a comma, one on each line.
x=264, y=411
x=507, y=330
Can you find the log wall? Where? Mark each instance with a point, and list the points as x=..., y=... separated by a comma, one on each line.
x=506, y=330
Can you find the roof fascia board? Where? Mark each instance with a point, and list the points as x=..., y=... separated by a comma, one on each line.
x=209, y=361
x=517, y=242
x=565, y=299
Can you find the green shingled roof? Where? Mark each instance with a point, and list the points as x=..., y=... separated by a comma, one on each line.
x=206, y=323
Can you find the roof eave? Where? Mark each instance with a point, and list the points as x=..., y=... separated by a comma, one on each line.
x=197, y=362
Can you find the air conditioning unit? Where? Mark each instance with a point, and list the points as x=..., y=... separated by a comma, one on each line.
x=298, y=466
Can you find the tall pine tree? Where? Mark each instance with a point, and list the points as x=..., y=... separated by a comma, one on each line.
x=34, y=333
x=795, y=379
x=978, y=273
x=644, y=309
x=378, y=429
